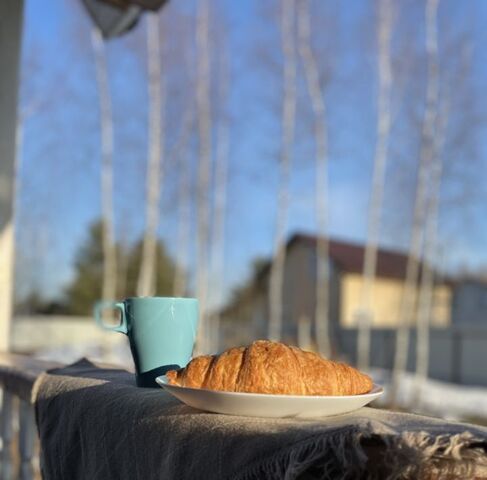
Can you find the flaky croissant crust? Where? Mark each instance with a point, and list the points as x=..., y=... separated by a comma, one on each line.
x=271, y=367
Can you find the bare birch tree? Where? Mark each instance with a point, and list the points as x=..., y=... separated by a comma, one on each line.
x=288, y=124
x=378, y=180
x=122, y=266
x=156, y=83
x=204, y=166
x=304, y=333
x=106, y=129
x=181, y=155
x=426, y=292
x=322, y=307
x=409, y=296
x=220, y=192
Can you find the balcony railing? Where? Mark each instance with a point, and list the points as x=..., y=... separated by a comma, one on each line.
x=18, y=459
x=19, y=455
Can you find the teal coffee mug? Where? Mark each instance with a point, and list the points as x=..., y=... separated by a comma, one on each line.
x=161, y=332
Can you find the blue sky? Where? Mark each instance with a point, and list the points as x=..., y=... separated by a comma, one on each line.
x=59, y=173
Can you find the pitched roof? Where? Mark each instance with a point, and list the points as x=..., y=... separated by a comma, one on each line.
x=350, y=257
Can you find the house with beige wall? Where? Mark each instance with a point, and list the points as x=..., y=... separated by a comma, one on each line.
x=246, y=315
x=386, y=302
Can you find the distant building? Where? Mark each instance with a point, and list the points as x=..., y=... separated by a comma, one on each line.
x=469, y=303
x=249, y=308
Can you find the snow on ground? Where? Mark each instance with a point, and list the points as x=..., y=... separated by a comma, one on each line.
x=447, y=400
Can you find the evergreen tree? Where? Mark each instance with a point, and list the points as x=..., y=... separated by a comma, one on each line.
x=86, y=287
x=165, y=270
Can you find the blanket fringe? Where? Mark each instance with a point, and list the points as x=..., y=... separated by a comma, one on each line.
x=421, y=455
x=341, y=456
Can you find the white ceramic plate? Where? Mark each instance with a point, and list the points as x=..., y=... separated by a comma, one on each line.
x=264, y=405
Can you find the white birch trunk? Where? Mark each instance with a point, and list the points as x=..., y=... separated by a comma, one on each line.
x=204, y=168
x=304, y=332
x=322, y=307
x=378, y=180
x=123, y=261
x=147, y=275
x=181, y=155
x=288, y=120
x=408, y=303
x=106, y=129
x=220, y=192
x=426, y=293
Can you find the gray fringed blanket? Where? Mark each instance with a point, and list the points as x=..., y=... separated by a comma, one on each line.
x=95, y=423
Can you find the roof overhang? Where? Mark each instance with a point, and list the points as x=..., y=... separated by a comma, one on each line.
x=115, y=17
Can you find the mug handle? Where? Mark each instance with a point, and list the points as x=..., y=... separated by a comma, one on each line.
x=103, y=305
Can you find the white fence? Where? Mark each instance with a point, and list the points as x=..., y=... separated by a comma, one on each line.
x=67, y=338
x=457, y=354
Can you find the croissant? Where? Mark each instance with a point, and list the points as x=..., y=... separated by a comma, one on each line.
x=271, y=367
